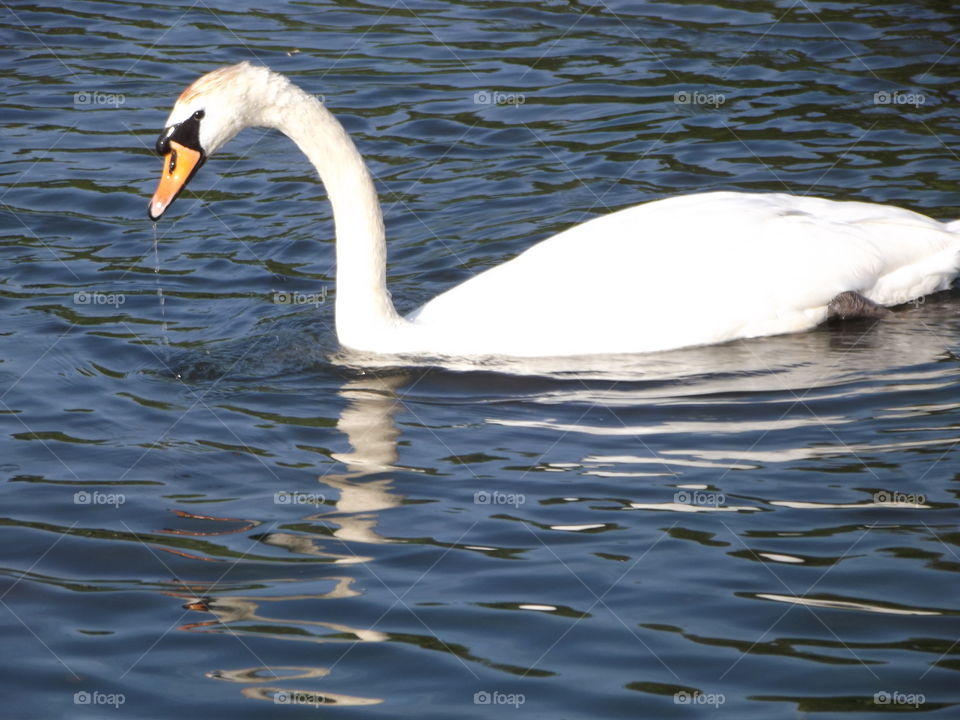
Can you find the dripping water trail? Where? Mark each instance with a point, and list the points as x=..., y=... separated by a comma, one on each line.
x=156, y=276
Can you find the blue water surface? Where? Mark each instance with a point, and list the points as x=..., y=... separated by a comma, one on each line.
x=206, y=514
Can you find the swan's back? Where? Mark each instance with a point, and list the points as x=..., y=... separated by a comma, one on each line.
x=692, y=270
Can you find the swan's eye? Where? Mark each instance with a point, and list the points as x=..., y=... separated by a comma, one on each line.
x=198, y=115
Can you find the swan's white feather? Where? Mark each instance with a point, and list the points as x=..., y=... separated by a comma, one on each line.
x=690, y=270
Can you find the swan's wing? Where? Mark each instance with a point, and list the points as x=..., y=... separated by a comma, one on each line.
x=694, y=269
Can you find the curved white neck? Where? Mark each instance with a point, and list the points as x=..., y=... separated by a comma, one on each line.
x=364, y=311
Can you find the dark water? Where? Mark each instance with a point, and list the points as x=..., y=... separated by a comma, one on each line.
x=204, y=516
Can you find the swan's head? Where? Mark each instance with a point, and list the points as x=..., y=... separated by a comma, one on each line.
x=206, y=116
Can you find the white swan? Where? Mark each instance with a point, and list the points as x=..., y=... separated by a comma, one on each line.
x=689, y=270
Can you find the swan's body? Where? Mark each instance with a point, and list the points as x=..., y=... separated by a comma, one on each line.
x=688, y=270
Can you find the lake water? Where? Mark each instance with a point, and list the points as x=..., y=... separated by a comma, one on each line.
x=204, y=514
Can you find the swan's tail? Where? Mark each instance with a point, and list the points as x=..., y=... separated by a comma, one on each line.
x=954, y=226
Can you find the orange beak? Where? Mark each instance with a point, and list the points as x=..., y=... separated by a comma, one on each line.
x=179, y=165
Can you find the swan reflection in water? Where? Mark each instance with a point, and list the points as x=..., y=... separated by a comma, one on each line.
x=367, y=421
x=821, y=365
